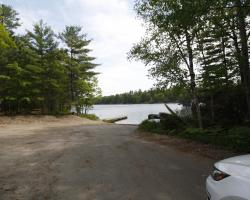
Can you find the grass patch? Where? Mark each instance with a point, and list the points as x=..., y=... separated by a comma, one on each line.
x=236, y=138
x=89, y=116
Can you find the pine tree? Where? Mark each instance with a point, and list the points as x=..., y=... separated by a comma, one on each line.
x=9, y=71
x=9, y=18
x=48, y=65
x=80, y=65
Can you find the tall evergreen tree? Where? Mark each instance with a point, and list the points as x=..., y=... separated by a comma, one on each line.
x=36, y=74
x=79, y=64
x=9, y=71
x=48, y=66
x=9, y=18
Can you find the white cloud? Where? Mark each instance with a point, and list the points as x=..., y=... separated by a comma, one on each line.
x=112, y=26
x=28, y=19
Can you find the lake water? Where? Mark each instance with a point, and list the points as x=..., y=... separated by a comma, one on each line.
x=136, y=113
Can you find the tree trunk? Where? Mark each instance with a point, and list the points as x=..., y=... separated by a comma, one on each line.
x=195, y=102
x=244, y=52
x=224, y=60
x=71, y=76
x=210, y=88
x=212, y=108
x=238, y=53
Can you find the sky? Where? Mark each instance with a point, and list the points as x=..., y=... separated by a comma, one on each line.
x=111, y=24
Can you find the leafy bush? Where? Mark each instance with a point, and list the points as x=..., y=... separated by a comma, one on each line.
x=150, y=126
x=171, y=122
x=237, y=138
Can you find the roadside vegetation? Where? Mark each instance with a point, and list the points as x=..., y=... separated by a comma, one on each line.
x=202, y=47
x=231, y=138
x=42, y=71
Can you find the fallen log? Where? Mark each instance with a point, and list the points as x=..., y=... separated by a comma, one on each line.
x=113, y=120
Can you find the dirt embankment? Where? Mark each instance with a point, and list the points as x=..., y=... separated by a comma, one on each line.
x=15, y=124
x=45, y=119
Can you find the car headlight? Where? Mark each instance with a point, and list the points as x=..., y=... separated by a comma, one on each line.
x=218, y=175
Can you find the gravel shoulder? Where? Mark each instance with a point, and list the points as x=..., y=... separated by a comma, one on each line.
x=188, y=146
x=81, y=160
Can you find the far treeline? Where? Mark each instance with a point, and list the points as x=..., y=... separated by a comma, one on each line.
x=201, y=46
x=175, y=94
x=43, y=71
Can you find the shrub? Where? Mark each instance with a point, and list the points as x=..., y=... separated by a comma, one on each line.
x=150, y=126
x=237, y=138
x=171, y=122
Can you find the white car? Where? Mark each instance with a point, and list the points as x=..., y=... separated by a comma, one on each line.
x=230, y=179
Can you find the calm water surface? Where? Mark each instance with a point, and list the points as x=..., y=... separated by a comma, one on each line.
x=136, y=113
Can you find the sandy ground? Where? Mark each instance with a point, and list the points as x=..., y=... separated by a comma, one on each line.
x=75, y=159
x=45, y=120
x=24, y=125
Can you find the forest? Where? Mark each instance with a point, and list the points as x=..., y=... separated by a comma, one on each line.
x=154, y=95
x=197, y=51
x=201, y=46
x=42, y=71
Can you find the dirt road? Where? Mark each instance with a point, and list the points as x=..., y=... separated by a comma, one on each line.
x=95, y=162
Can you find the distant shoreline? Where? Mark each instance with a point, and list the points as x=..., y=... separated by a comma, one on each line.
x=138, y=103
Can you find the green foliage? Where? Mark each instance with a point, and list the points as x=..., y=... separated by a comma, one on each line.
x=202, y=46
x=150, y=126
x=6, y=41
x=89, y=116
x=165, y=63
x=50, y=74
x=82, y=80
x=224, y=106
x=175, y=94
x=8, y=18
x=35, y=74
x=171, y=122
x=236, y=138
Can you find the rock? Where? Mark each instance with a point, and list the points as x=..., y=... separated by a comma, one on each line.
x=164, y=115
x=153, y=116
